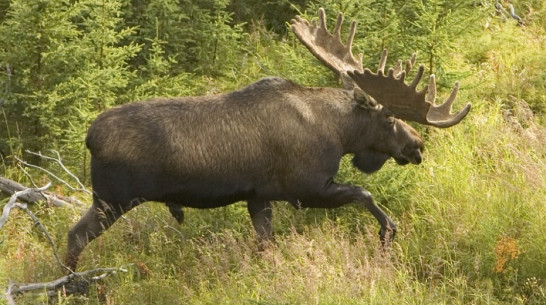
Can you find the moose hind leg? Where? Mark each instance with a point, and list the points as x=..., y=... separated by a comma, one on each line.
x=176, y=211
x=96, y=220
x=261, y=215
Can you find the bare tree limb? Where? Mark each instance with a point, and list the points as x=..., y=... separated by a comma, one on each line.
x=514, y=15
x=81, y=189
x=60, y=163
x=34, y=195
x=73, y=283
x=39, y=223
x=13, y=201
x=22, y=168
x=8, y=293
x=504, y=13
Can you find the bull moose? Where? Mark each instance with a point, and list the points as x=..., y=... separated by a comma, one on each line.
x=273, y=140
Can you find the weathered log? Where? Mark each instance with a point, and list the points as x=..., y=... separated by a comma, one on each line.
x=74, y=283
x=9, y=186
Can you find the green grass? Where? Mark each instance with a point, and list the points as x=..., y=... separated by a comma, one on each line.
x=471, y=217
x=471, y=232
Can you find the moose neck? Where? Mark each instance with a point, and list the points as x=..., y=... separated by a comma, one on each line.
x=352, y=126
x=360, y=130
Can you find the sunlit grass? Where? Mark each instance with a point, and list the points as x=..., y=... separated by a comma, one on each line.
x=471, y=216
x=469, y=232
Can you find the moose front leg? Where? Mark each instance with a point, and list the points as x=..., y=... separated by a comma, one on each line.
x=388, y=227
x=335, y=195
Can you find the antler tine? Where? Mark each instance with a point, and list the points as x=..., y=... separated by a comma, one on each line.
x=404, y=100
x=411, y=62
x=328, y=47
x=431, y=94
x=382, y=62
x=339, y=22
x=351, y=37
x=322, y=19
x=440, y=115
x=398, y=68
x=417, y=77
x=390, y=90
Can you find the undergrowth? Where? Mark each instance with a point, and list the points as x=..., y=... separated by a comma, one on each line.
x=471, y=217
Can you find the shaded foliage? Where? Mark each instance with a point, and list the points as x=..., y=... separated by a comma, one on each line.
x=469, y=216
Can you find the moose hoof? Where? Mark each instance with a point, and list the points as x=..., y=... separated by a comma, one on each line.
x=386, y=235
x=177, y=213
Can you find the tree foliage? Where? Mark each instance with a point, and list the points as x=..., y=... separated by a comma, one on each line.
x=63, y=62
x=470, y=216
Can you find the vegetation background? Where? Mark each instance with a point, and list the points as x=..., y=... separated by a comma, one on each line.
x=471, y=217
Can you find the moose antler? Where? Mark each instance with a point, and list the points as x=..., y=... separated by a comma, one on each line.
x=404, y=100
x=327, y=47
x=388, y=90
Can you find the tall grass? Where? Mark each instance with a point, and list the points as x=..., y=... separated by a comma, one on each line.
x=471, y=217
x=471, y=232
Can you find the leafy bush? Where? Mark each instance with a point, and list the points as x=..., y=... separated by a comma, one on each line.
x=470, y=217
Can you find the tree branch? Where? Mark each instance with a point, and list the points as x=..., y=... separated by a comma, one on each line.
x=73, y=283
x=33, y=195
x=12, y=203
x=80, y=189
x=13, y=200
x=58, y=161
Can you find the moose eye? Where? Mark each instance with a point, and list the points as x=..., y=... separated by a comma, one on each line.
x=390, y=118
x=391, y=121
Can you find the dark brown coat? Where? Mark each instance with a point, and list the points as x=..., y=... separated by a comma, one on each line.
x=273, y=140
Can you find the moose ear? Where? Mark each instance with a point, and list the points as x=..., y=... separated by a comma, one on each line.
x=363, y=99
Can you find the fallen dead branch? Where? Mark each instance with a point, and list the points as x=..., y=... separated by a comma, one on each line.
x=74, y=283
x=33, y=195
x=507, y=14
x=12, y=203
x=26, y=193
x=57, y=159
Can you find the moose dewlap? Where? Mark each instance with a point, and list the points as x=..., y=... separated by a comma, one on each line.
x=270, y=141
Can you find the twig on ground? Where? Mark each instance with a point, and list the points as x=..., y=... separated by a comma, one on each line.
x=34, y=195
x=27, y=174
x=12, y=203
x=8, y=293
x=504, y=13
x=168, y=226
x=73, y=283
x=39, y=223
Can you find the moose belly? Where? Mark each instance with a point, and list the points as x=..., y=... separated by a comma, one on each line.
x=207, y=194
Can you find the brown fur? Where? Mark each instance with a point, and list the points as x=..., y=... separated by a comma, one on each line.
x=273, y=140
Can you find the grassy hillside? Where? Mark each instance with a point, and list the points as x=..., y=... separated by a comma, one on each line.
x=471, y=217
